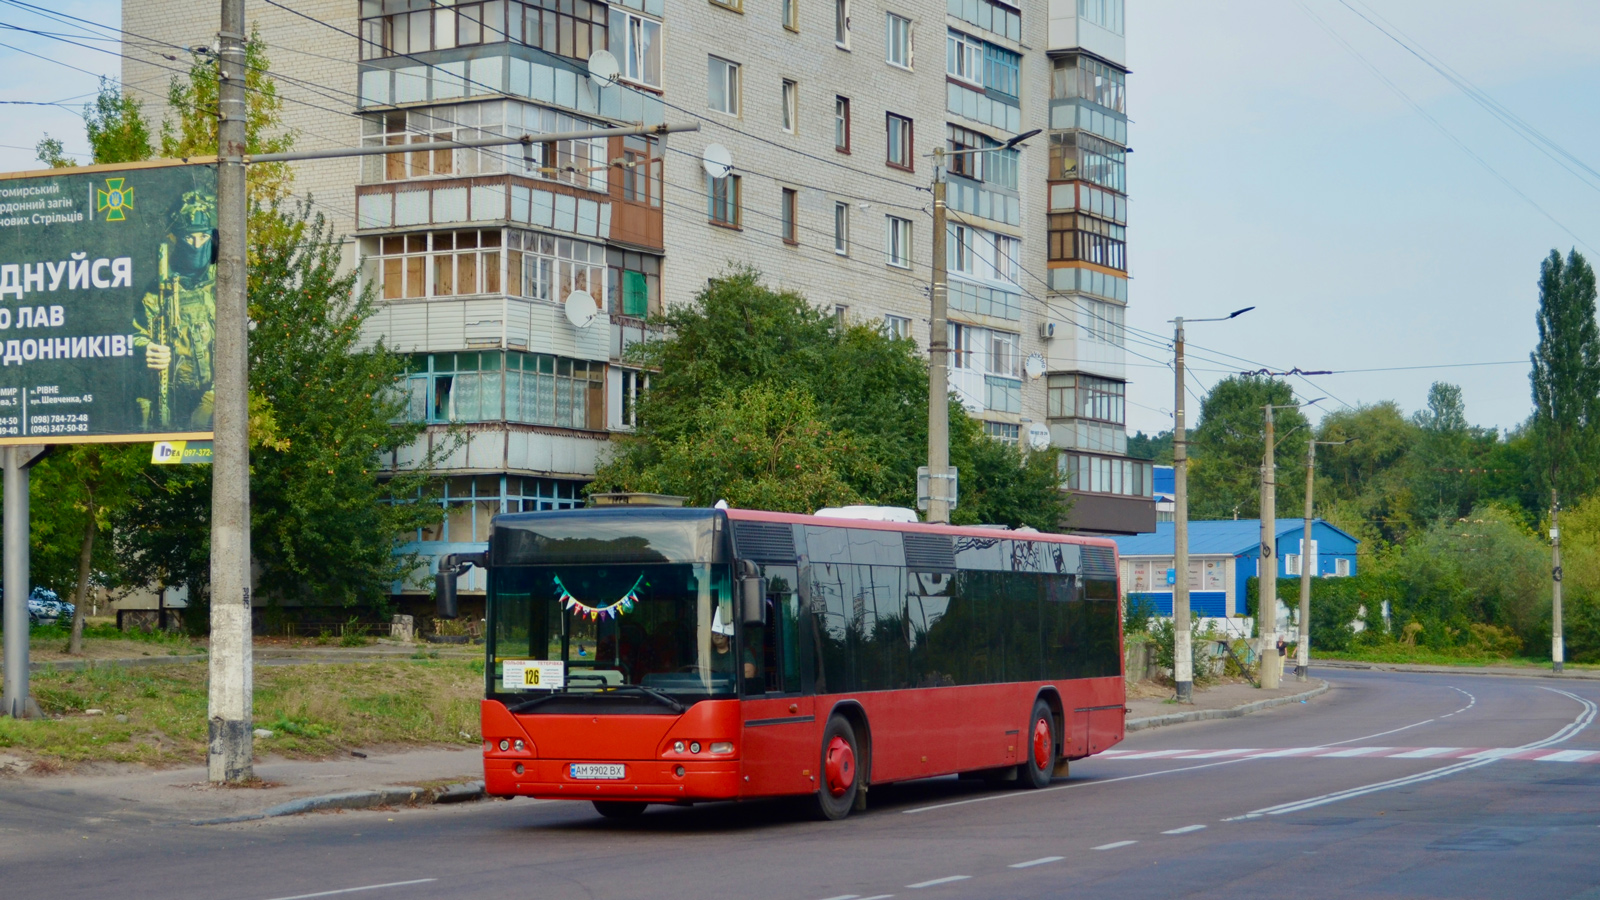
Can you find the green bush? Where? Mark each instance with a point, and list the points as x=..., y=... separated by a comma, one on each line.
x=1137, y=613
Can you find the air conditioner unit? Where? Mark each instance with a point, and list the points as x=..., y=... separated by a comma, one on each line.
x=1047, y=330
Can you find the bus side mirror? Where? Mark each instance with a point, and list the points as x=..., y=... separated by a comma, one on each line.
x=753, y=600
x=446, y=606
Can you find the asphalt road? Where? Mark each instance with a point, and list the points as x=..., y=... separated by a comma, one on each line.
x=1443, y=786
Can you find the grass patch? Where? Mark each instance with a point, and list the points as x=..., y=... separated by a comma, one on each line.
x=53, y=639
x=313, y=710
x=1402, y=655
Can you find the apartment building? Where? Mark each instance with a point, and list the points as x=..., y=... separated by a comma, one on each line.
x=829, y=110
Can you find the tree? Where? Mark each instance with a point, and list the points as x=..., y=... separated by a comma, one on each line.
x=1228, y=445
x=116, y=126
x=1566, y=377
x=846, y=395
x=1444, y=480
x=1157, y=447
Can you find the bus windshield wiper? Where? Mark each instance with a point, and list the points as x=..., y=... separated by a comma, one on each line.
x=652, y=693
x=526, y=705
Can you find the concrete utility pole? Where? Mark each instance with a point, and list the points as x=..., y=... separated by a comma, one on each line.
x=1182, y=647
x=18, y=702
x=1302, y=654
x=230, y=748
x=1557, y=645
x=1267, y=612
x=939, y=360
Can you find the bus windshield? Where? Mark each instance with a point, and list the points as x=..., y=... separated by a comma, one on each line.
x=595, y=628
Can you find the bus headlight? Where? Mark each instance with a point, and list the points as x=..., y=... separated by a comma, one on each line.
x=677, y=746
x=722, y=747
x=504, y=745
x=518, y=745
x=694, y=746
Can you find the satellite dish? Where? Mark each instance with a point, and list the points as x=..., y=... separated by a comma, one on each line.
x=1034, y=365
x=1038, y=436
x=603, y=68
x=717, y=161
x=581, y=309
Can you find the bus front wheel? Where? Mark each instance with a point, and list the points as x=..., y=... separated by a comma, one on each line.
x=840, y=776
x=619, y=809
x=1036, y=770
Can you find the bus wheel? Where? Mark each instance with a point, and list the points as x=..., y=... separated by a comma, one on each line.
x=619, y=809
x=840, y=781
x=1041, y=747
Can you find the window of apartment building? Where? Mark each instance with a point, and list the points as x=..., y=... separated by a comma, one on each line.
x=1000, y=18
x=897, y=327
x=789, y=98
x=641, y=170
x=554, y=390
x=841, y=124
x=723, y=198
x=1001, y=70
x=841, y=24
x=897, y=41
x=735, y=5
x=1003, y=431
x=1075, y=155
x=635, y=280
x=1103, y=475
x=634, y=386
x=897, y=244
x=636, y=43
x=454, y=387
x=1099, y=320
x=572, y=162
x=960, y=250
x=1085, y=197
x=722, y=85
x=1108, y=14
x=997, y=167
x=1085, y=78
x=570, y=28
x=444, y=264
x=1086, y=397
x=791, y=14
x=1088, y=239
x=841, y=228
x=471, y=501
x=553, y=267
x=996, y=356
x=900, y=145
x=840, y=313
x=964, y=58
x=982, y=255
x=789, y=204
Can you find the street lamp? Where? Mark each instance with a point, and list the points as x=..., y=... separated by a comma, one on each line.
x=1302, y=653
x=940, y=478
x=1183, y=653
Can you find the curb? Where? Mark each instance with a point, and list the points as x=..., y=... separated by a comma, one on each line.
x=1199, y=715
x=1423, y=669
x=79, y=665
x=391, y=796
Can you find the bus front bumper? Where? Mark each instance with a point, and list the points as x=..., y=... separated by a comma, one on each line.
x=650, y=780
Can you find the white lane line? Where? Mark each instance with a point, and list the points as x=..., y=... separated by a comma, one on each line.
x=937, y=881
x=1215, y=753
x=1184, y=830
x=1493, y=753
x=1567, y=755
x=1151, y=754
x=1425, y=752
x=1566, y=731
x=369, y=887
x=1292, y=751
x=844, y=897
x=1114, y=845
x=1353, y=751
x=878, y=897
x=1036, y=862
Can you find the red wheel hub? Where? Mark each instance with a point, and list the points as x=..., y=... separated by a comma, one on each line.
x=1043, y=743
x=839, y=766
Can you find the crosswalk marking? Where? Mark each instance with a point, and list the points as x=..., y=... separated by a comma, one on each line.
x=1429, y=753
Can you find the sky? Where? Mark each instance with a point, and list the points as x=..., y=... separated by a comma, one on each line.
x=1277, y=165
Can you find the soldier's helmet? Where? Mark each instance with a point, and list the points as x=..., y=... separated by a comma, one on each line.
x=195, y=213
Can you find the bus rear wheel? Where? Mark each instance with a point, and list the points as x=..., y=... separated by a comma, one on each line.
x=1036, y=770
x=840, y=776
x=619, y=809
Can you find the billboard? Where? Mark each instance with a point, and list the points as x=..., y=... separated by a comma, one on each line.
x=107, y=303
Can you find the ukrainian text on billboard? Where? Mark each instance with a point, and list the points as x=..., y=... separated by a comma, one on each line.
x=107, y=304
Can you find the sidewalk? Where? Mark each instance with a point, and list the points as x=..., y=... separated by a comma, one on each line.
x=31, y=804
x=1219, y=702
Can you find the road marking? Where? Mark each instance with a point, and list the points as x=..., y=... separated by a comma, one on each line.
x=1356, y=751
x=1568, y=755
x=1425, y=752
x=1213, y=753
x=1582, y=721
x=1292, y=751
x=1149, y=754
x=937, y=881
x=844, y=897
x=369, y=887
x=1115, y=844
x=1184, y=830
x=1036, y=862
x=1370, y=753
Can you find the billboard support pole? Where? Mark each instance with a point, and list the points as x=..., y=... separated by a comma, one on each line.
x=230, y=739
x=18, y=702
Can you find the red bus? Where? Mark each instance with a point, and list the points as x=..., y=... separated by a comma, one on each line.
x=657, y=655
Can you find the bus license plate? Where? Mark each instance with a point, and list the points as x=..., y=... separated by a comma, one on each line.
x=598, y=771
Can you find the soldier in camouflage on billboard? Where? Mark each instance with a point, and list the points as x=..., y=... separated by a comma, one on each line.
x=175, y=324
